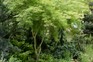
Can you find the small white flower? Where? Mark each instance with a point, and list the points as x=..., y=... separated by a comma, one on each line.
x=75, y=26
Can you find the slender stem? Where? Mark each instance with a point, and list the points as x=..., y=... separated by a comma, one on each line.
x=35, y=45
x=41, y=42
x=34, y=39
x=39, y=47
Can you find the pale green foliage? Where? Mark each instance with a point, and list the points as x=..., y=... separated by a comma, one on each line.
x=50, y=15
x=13, y=59
x=88, y=55
x=88, y=1
x=2, y=60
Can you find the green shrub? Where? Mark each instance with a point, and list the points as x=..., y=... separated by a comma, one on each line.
x=50, y=58
x=88, y=55
x=14, y=59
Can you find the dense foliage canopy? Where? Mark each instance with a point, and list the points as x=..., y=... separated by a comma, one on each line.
x=43, y=30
